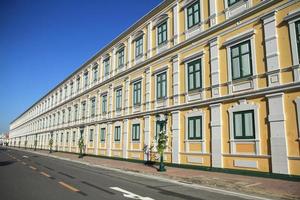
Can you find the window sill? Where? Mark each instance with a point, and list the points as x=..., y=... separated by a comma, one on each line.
x=162, y=47
x=194, y=141
x=237, y=8
x=193, y=31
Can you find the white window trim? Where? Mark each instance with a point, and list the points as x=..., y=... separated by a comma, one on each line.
x=106, y=129
x=161, y=102
x=133, y=122
x=161, y=19
x=244, y=106
x=114, y=129
x=291, y=18
x=197, y=28
x=187, y=142
x=297, y=102
x=244, y=84
x=137, y=108
x=195, y=95
x=139, y=35
x=237, y=8
x=119, y=112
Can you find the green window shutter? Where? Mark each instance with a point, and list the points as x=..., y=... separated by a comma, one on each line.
x=194, y=75
x=137, y=93
x=139, y=47
x=195, y=128
x=102, y=134
x=162, y=33
x=161, y=85
x=121, y=58
x=241, y=62
x=118, y=99
x=104, y=103
x=136, y=132
x=193, y=14
x=244, y=124
x=117, y=133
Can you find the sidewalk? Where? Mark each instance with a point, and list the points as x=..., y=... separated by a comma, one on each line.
x=265, y=187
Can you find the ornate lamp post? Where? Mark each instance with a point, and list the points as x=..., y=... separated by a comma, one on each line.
x=162, y=140
x=81, y=142
x=51, y=142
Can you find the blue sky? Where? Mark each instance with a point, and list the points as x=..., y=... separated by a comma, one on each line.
x=43, y=41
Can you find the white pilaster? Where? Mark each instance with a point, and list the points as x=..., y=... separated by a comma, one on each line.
x=147, y=133
x=271, y=49
x=109, y=138
x=212, y=12
x=129, y=51
x=175, y=137
x=216, y=135
x=149, y=40
x=276, y=120
x=97, y=135
x=125, y=138
x=147, y=88
x=126, y=97
x=175, y=80
x=214, y=64
x=175, y=24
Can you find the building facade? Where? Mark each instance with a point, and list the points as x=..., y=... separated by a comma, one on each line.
x=221, y=77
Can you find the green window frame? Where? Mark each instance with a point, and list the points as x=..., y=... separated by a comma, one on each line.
x=78, y=85
x=162, y=33
x=83, y=104
x=161, y=85
x=102, y=134
x=69, y=114
x=193, y=14
x=106, y=66
x=241, y=60
x=195, y=128
x=243, y=124
x=86, y=80
x=104, y=104
x=194, y=74
x=136, y=132
x=119, y=99
x=137, y=89
x=117, y=135
x=121, y=58
x=93, y=107
x=159, y=124
x=91, y=136
x=232, y=2
x=297, y=26
x=73, y=137
x=95, y=70
x=139, y=47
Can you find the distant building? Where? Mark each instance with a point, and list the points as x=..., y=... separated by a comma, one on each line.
x=221, y=77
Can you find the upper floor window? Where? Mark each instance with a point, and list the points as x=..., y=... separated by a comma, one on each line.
x=78, y=84
x=104, y=104
x=194, y=75
x=93, y=107
x=193, y=15
x=83, y=110
x=71, y=88
x=243, y=124
x=63, y=116
x=121, y=58
x=119, y=99
x=102, y=134
x=232, y=2
x=135, y=132
x=106, y=66
x=162, y=35
x=137, y=93
x=117, y=133
x=86, y=79
x=139, y=47
x=195, y=128
x=75, y=112
x=161, y=85
x=66, y=91
x=95, y=70
x=241, y=60
x=69, y=114
x=297, y=24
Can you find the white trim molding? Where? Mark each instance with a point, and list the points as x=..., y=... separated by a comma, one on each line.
x=292, y=18
x=187, y=142
x=297, y=102
x=250, y=83
x=175, y=137
x=276, y=119
x=231, y=11
x=216, y=135
x=244, y=106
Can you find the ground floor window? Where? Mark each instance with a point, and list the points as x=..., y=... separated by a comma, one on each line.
x=243, y=123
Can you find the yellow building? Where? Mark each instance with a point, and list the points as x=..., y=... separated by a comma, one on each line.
x=221, y=77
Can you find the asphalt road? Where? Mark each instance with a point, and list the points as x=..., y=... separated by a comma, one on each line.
x=25, y=175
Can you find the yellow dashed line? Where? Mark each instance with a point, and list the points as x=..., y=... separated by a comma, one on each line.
x=31, y=167
x=45, y=174
x=69, y=187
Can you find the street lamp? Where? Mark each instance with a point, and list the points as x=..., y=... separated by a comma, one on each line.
x=162, y=139
x=81, y=142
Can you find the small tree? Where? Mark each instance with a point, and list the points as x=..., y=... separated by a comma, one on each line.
x=80, y=145
x=161, y=146
x=50, y=144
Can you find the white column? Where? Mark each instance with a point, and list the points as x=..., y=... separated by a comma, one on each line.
x=125, y=138
x=271, y=49
x=110, y=100
x=126, y=97
x=129, y=51
x=175, y=137
x=147, y=133
x=175, y=24
x=113, y=67
x=214, y=64
x=109, y=138
x=147, y=88
x=175, y=80
x=212, y=12
x=276, y=120
x=216, y=135
x=149, y=40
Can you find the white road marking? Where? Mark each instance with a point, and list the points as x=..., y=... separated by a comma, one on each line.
x=25, y=156
x=130, y=194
